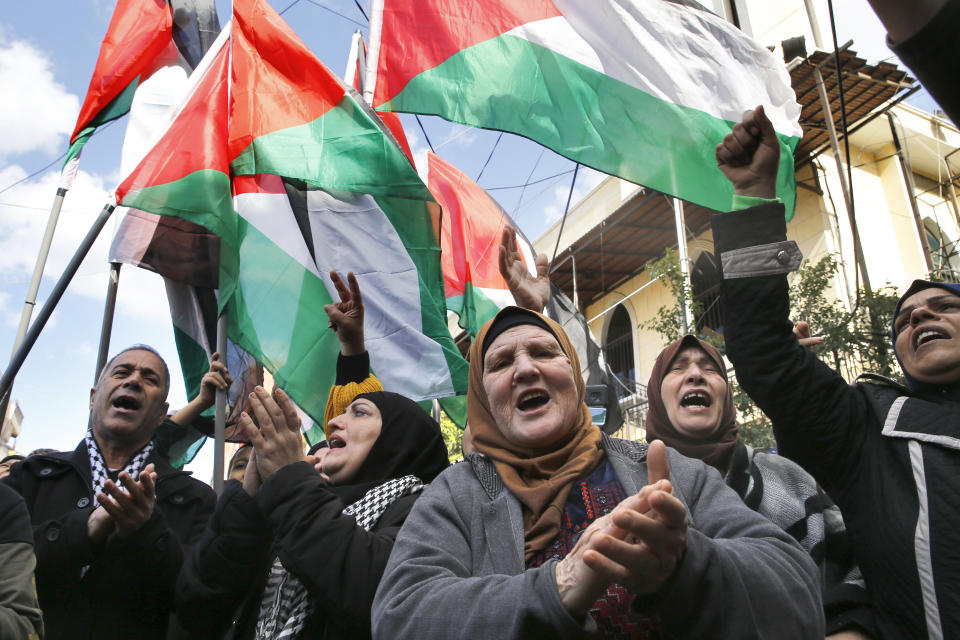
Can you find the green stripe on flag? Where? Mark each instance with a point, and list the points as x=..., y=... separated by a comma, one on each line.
x=194, y=361
x=274, y=314
x=342, y=150
x=559, y=107
x=202, y=197
x=116, y=108
x=474, y=308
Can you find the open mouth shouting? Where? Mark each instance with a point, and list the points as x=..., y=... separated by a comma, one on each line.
x=336, y=442
x=126, y=403
x=696, y=400
x=531, y=400
x=926, y=334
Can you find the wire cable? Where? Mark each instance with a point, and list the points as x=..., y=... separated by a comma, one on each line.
x=566, y=210
x=337, y=13
x=527, y=182
x=530, y=184
x=484, y=167
x=289, y=6
x=57, y=159
x=364, y=13
x=429, y=144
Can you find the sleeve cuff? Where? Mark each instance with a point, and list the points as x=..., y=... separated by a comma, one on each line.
x=754, y=243
x=745, y=202
x=353, y=368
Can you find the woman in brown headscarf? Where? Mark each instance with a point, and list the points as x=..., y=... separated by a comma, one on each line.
x=690, y=408
x=557, y=530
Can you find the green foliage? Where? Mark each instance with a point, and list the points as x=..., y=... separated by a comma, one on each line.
x=668, y=320
x=852, y=342
x=452, y=436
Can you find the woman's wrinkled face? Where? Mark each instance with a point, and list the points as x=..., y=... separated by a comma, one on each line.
x=352, y=436
x=530, y=387
x=693, y=393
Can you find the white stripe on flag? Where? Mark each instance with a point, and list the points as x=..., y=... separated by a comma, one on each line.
x=657, y=34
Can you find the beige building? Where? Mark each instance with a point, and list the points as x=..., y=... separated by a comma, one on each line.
x=905, y=174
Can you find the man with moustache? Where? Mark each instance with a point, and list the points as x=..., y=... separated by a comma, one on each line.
x=110, y=518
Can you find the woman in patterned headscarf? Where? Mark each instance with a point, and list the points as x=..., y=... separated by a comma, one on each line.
x=291, y=553
x=557, y=530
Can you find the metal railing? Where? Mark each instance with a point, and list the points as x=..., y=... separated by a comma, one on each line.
x=633, y=406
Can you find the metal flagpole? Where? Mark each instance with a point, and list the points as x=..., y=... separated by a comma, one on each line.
x=16, y=360
x=220, y=415
x=686, y=318
x=107, y=327
x=31, y=299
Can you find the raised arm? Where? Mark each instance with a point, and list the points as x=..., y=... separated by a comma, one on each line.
x=346, y=316
x=529, y=292
x=216, y=378
x=353, y=364
x=817, y=417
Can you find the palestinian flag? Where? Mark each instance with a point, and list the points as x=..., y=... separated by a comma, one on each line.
x=354, y=77
x=142, y=37
x=186, y=171
x=347, y=199
x=641, y=89
x=470, y=236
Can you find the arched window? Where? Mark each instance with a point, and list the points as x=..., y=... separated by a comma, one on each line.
x=619, y=348
x=705, y=279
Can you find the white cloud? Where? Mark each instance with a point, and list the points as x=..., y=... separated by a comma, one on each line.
x=36, y=113
x=23, y=218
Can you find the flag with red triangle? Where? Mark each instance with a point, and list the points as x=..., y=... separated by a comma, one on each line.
x=318, y=185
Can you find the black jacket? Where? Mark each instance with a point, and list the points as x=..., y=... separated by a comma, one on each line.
x=124, y=588
x=890, y=459
x=294, y=517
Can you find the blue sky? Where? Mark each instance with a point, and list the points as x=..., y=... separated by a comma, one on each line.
x=47, y=53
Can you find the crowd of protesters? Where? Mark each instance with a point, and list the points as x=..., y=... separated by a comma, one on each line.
x=549, y=527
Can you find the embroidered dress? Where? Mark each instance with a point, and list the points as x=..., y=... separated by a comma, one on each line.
x=590, y=498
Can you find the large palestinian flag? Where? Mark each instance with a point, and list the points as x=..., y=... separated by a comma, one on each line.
x=318, y=185
x=641, y=89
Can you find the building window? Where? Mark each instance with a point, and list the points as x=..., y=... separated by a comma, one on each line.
x=619, y=350
x=705, y=279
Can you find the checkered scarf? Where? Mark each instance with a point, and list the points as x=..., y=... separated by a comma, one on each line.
x=99, y=470
x=285, y=605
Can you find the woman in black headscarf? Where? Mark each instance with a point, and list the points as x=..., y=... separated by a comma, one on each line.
x=292, y=553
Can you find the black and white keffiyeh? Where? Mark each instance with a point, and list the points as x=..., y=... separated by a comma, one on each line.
x=99, y=470
x=285, y=605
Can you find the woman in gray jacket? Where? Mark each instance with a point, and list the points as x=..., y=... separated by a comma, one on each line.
x=555, y=530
